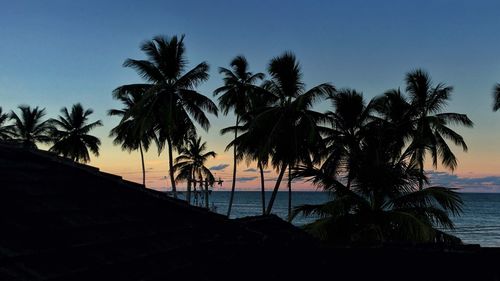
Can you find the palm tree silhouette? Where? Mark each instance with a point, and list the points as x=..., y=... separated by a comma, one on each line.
x=190, y=165
x=250, y=146
x=28, y=127
x=288, y=128
x=129, y=133
x=6, y=130
x=383, y=203
x=496, y=96
x=70, y=134
x=430, y=125
x=345, y=133
x=170, y=101
x=239, y=84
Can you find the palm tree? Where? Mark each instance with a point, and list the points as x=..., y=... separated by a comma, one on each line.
x=171, y=101
x=430, y=125
x=239, y=83
x=496, y=96
x=129, y=132
x=249, y=148
x=5, y=129
x=382, y=205
x=29, y=128
x=346, y=131
x=287, y=129
x=190, y=165
x=70, y=134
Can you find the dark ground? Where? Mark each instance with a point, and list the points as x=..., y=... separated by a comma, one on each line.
x=64, y=221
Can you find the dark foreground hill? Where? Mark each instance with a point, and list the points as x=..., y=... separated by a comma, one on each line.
x=64, y=221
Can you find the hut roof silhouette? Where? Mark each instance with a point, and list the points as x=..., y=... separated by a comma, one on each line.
x=61, y=220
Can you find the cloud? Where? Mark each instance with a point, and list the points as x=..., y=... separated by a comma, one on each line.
x=253, y=170
x=271, y=179
x=465, y=184
x=245, y=179
x=219, y=167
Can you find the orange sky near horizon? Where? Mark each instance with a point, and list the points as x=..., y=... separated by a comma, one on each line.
x=479, y=161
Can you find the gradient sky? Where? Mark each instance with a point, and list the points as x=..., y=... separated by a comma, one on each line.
x=57, y=53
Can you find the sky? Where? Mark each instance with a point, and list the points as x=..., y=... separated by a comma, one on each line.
x=57, y=53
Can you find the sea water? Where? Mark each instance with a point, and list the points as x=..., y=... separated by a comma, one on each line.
x=478, y=224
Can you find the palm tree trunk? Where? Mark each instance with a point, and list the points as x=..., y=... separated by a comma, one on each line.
x=188, y=194
x=171, y=167
x=262, y=188
x=420, y=179
x=275, y=190
x=194, y=190
x=233, y=185
x=289, y=193
x=143, y=168
x=206, y=193
x=420, y=161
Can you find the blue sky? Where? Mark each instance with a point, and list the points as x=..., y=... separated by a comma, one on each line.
x=56, y=53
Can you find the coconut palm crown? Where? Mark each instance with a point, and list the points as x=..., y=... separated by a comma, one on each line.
x=430, y=125
x=70, y=134
x=29, y=128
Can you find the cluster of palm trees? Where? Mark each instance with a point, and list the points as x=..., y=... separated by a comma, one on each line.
x=370, y=156
x=68, y=134
x=373, y=166
x=166, y=108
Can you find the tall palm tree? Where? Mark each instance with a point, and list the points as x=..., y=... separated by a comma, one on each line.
x=248, y=148
x=29, y=128
x=430, y=129
x=496, y=96
x=239, y=84
x=288, y=128
x=6, y=132
x=171, y=101
x=190, y=165
x=70, y=134
x=129, y=133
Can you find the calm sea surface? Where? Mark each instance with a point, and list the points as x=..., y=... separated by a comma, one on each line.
x=479, y=223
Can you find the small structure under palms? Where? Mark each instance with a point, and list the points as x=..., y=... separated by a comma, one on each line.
x=70, y=134
x=190, y=167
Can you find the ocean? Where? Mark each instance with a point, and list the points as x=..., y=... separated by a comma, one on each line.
x=478, y=224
